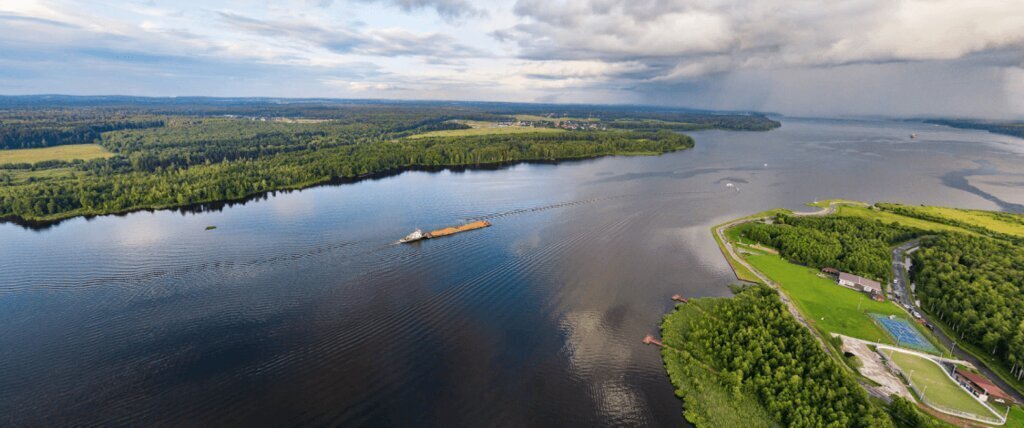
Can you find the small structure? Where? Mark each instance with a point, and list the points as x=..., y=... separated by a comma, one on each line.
x=872, y=288
x=833, y=272
x=981, y=387
x=679, y=298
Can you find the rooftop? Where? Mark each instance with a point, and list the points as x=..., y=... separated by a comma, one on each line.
x=991, y=389
x=861, y=281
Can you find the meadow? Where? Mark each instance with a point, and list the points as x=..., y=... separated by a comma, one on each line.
x=930, y=379
x=61, y=153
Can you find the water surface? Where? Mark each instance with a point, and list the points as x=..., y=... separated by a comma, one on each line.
x=300, y=309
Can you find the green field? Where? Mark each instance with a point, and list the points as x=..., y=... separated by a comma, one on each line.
x=64, y=153
x=888, y=217
x=1010, y=224
x=486, y=130
x=829, y=307
x=556, y=120
x=931, y=380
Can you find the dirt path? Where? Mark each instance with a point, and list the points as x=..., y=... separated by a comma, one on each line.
x=875, y=369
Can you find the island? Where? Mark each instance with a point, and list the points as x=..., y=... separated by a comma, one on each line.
x=62, y=157
x=858, y=315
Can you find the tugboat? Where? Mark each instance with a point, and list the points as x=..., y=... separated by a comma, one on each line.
x=416, y=235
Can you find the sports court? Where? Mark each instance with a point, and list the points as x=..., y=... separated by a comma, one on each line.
x=904, y=333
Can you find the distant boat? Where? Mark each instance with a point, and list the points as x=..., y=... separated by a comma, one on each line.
x=913, y=136
x=417, y=234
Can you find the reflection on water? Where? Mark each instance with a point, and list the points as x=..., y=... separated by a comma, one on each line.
x=300, y=308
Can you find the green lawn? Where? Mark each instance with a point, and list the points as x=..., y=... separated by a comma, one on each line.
x=65, y=153
x=830, y=307
x=931, y=380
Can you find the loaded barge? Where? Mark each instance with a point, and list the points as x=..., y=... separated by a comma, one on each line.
x=417, y=234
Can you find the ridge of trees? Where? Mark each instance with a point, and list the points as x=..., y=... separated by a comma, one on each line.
x=755, y=346
x=975, y=285
x=851, y=244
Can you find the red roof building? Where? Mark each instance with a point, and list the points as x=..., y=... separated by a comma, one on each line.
x=981, y=387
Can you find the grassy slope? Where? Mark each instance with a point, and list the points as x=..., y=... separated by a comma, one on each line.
x=831, y=308
x=705, y=401
x=941, y=390
x=64, y=153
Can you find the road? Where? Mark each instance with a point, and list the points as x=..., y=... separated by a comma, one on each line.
x=899, y=261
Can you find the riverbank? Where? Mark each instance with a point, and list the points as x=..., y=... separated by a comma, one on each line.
x=205, y=189
x=831, y=313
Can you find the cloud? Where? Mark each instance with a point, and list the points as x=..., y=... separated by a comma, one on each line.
x=704, y=37
x=387, y=42
x=448, y=9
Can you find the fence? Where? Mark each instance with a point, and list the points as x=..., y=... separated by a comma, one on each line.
x=997, y=421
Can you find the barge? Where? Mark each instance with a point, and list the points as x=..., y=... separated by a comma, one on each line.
x=417, y=234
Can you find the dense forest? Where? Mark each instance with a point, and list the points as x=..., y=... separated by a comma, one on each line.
x=975, y=285
x=1015, y=129
x=851, y=244
x=180, y=152
x=756, y=348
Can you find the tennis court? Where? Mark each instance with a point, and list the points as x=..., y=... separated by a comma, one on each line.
x=904, y=333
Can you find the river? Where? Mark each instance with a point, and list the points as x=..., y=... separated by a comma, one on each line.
x=300, y=309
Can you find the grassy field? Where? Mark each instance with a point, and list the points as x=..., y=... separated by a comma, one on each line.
x=829, y=307
x=1010, y=224
x=938, y=388
x=888, y=217
x=65, y=153
x=706, y=402
x=486, y=130
x=556, y=120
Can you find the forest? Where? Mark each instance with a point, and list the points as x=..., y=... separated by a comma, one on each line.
x=184, y=151
x=975, y=285
x=1015, y=129
x=850, y=244
x=755, y=348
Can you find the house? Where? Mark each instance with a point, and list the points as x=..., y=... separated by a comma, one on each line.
x=872, y=288
x=981, y=387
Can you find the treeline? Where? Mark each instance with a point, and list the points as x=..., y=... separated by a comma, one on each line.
x=55, y=128
x=127, y=183
x=975, y=285
x=1015, y=129
x=754, y=345
x=851, y=244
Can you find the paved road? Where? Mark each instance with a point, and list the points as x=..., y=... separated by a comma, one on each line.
x=899, y=261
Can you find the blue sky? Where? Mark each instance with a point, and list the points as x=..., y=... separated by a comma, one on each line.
x=897, y=57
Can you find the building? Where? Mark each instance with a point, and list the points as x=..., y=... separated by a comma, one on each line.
x=872, y=288
x=981, y=387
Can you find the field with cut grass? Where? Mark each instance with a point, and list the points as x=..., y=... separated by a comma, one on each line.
x=930, y=379
x=830, y=307
x=487, y=130
x=889, y=217
x=1006, y=223
x=64, y=153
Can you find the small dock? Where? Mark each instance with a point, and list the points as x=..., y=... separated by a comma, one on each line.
x=650, y=340
x=679, y=298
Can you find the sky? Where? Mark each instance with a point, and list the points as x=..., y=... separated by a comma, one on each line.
x=796, y=57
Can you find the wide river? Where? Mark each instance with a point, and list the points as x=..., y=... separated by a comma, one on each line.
x=300, y=308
